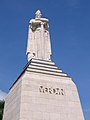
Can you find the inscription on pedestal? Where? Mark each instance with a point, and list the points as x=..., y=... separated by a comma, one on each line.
x=51, y=90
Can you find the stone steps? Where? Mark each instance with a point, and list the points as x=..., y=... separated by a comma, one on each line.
x=44, y=67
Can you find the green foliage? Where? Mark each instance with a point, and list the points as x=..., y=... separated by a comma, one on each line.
x=1, y=109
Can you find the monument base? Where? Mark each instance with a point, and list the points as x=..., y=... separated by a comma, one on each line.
x=43, y=92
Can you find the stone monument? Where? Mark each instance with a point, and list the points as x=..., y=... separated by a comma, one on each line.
x=42, y=91
x=39, y=46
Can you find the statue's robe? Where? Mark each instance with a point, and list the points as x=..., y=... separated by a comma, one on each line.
x=39, y=46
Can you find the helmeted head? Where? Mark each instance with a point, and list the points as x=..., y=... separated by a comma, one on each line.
x=38, y=14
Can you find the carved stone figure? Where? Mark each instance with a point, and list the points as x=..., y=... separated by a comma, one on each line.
x=39, y=46
x=38, y=14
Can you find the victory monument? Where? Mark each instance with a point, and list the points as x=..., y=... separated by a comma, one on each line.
x=39, y=46
x=42, y=91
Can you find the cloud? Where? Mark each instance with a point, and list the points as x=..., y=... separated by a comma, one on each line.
x=2, y=95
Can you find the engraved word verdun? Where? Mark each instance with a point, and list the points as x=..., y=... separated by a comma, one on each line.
x=50, y=90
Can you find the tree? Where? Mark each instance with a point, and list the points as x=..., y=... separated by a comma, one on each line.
x=1, y=109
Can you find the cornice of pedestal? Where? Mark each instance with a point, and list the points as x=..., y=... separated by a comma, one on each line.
x=42, y=67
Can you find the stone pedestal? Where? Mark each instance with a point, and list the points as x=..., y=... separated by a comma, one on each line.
x=43, y=92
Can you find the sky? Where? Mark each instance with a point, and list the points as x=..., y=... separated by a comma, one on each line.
x=69, y=22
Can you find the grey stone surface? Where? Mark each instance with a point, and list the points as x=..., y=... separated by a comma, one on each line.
x=39, y=96
x=12, y=103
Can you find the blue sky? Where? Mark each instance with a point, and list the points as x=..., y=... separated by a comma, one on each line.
x=69, y=22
